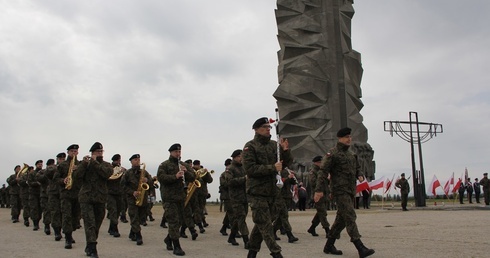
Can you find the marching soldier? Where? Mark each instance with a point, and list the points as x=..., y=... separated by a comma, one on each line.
x=54, y=201
x=132, y=183
x=93, y=173
x=320, y=206
x=225, y=198
x=69, y=188
x=34, y=195
x=24, y=195
x=260, y=162
x=15, y=202
x=342, y=166
x=485, y=183
x=115, y=196
x=202, y=192
x=195, y=200
x=402, y=183
x=3, y=196
x=283, y=202
x=172, y=175
x=43, y=179
x=236, y=183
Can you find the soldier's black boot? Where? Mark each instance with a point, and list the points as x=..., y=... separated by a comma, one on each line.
x=168, y=242
x=362, y=250
x=88, y=249
x=116, y=231
x=276, y=255
x=245, y=241
x=151, y=218
x=330, y=247
x=36, y=225
x=204, y=223
x=163, y=223
x=57, y=234
x=93, y=249
x=132, y=235
x=68, y=240
x=252, y=254
x=123, y=218
x=111, y=229
x=15, y=220
x=231, y=238
x=201, y=228
x=193, y=233
x=26, y=222
x=47, y=229
x=223, y=230
x=182, y=232
x=326, y=232
x=177, y=249
x=291, y=237
x=312, y=231
x=139, y=238
x=275, y=235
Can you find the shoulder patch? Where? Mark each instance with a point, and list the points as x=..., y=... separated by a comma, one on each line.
x=328, y=154
x=245, y=149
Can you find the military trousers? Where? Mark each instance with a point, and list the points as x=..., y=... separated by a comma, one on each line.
x=281, y=214
x=25, y=206
x=262, y=209
x=196, y=212
x=174, y=214
x=404, y=200
x=321, y=214
x=70, y=210
x=240, y=211
x=114, y=207
x=136, y=215
x=346, y=218
x=486, y=197
x=54, y=204
x=15, y=205
x=93, y=214
x=46, y=212
x=35, y=207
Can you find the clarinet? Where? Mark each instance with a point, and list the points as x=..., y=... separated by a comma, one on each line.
x=279, y=182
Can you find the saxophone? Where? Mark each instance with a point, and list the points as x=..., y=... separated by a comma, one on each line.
x=69, y=182
x=142, y=187
x=191, y=189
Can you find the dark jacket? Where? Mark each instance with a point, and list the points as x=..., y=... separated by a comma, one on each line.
x=236, y=182
x=130, y=183
x=171, y=188
x=93, y=176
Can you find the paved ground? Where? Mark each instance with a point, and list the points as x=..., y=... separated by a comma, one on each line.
x=452, y=230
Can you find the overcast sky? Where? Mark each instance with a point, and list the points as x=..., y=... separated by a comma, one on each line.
x=139, y=76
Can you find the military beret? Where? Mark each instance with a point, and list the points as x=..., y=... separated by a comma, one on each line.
x=96, y=146
x=485, y=174
x=72, y=147
x=39, y=161
x=116, y=157
x=61, y=155
x=50, y=162
x=403, y=174
x=135, y=156
x=260, y=122
x=196, y=162
x=174, y=146
x=18, y=166
x=236, y=153
x=476, y=179
x=189, y=161
x=344, y=132
x=227, y=162
x=317, y=158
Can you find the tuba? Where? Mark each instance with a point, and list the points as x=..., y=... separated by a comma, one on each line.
x=117, y=173
x=142, y=187
x=69, y=183
x=23, y=170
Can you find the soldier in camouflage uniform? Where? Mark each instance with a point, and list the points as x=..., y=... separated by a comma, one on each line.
x=54, y=201
x=402, y=183
x=15, y=202
x=283, y=202
x=485, y=183
x=43, y=179
x=171, y=175
x=260, y=162
x=93, y=173
x=35, y=194
x=343, y=167
x=24, y=195
x=321, y=205
x=225, y=198
x=131, y=183
x=70, y=207
x=236, y=179
x=115, y=197
x=3, y=196
x=203, y=193
x=194, y=202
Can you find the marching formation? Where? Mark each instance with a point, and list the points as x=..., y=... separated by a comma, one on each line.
x=68, y=190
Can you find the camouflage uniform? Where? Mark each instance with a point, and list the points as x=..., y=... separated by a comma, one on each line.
x=130, y=183
x=236, y=185
x=34, y=197
x=321, y=205
x=344, y=169
x=258, y=158
x=24, y=197
x=225, y=197
x=114, y=203
x=70, y=207
x=92, y=177
x=15, y=202
x=283, y=201
x=402, y=183
x=42, y=178
x=202, y=195
x=54, y=202
x=3, y=196
x=485, y=183
x=173, y=196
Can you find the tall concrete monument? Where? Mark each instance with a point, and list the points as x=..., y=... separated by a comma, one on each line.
x=319, y=79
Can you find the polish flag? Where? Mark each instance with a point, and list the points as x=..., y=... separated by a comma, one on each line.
x=448, y=184
x=388, y=184
x=361, y=186
x=394, y=185
x=456, y=186
x=376, y=184
x=433, y=185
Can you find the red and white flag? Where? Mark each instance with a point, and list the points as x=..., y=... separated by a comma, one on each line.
x=447, y=186
x=376, y=184
x=433, y=185
x=394, y=185
x=361, y=186
x=458, y=184
x=388, y=184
